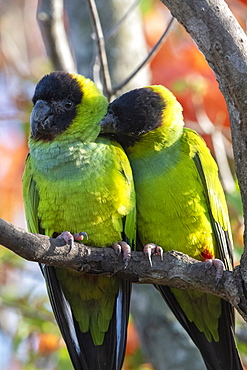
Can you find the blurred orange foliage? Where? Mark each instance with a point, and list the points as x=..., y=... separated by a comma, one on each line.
x=48, y=343
x=11, y=186
x=133, y=341
x=182, y=68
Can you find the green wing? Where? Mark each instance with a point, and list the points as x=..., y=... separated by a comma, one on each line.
x=208, y=172
x=129, y=226
x=31, y=199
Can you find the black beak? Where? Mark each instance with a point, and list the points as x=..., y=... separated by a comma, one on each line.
x=41, y=118
x=108, y=124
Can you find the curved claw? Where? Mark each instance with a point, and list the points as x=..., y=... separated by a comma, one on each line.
x=117, y=248
x=81, y=235
x=125, y=249
x=150, y=249
x=69, y=238
x=71, y=244
x=220, y=268
x=84, y=234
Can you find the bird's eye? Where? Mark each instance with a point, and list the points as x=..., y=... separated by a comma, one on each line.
x=68, y=104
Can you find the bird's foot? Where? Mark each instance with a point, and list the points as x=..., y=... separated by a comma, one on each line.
x=69, y=238
x=150, y=249
x=123, y=247
x=219, y=265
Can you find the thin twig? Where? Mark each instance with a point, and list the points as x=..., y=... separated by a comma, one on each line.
x=116, y=27
x=149, y=56
x=50, y=19
x=101, y=47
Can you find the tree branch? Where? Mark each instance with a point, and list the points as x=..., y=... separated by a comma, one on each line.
x=176, y=270
x=50, y=18
x=113, y=31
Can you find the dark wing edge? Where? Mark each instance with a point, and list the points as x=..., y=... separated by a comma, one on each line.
x=84, y=354
x=64, y=317
x=216, y=355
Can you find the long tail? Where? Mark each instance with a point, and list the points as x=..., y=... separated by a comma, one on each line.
x=219, y=355
x=83, y=353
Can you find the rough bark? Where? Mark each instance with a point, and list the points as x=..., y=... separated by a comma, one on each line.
x=176, y=270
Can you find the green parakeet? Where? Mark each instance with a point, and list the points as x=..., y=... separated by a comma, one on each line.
x=180, y=206
x=75, y=180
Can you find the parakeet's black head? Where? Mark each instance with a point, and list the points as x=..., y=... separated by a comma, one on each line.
x=133, y=114
x=55, y=99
